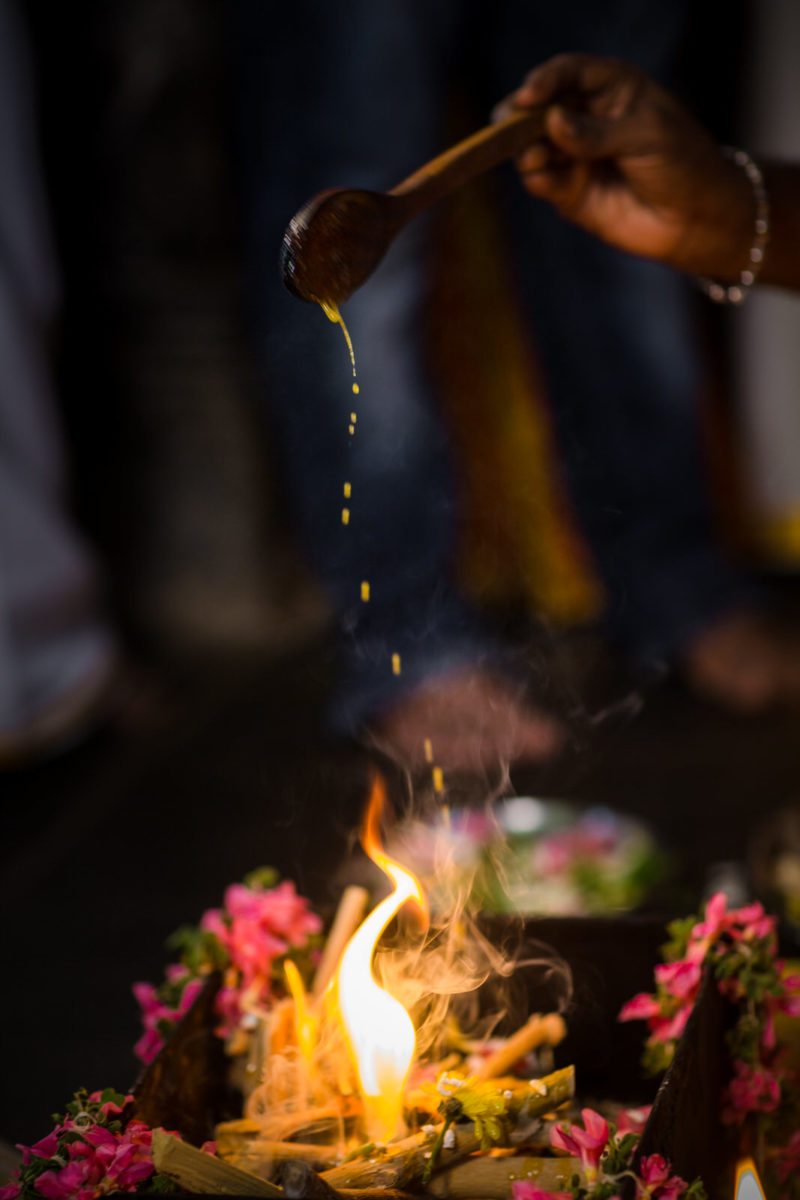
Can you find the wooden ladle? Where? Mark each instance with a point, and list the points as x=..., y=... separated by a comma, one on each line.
x=337, y=239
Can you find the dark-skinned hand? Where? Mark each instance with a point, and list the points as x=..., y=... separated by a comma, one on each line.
x=625, y=160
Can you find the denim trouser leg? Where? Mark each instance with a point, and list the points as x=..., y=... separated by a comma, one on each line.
x=351, y=94
x=617, y=347
x=616, y=340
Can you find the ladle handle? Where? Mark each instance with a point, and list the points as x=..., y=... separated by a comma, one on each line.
x=462, y=162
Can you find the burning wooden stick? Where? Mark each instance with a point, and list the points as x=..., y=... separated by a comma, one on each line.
x=491, y=1178
x=273, y=1154
x=539, y=1030
x=403, y=1164
x=300, y=1183
x=347, y=919
x=203, y=1173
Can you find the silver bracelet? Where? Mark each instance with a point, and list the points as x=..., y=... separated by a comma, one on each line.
x=735, y=293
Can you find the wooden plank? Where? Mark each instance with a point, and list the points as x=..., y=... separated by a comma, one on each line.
x=205, y=1174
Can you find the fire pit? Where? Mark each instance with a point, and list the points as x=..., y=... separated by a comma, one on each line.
x=605, y=961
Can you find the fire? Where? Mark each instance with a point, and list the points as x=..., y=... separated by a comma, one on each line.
x=379, y=1031
x=306, y=1024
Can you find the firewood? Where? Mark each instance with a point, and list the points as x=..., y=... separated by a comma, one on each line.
x=275, y=1153
x=404, y=1163
x=491, y=1178
x=241, y=1127
x=537, y=1031
x=301, y=1182
x=348, y=918
x=322, y=1123
x=203, y=1173
x=374, y=1194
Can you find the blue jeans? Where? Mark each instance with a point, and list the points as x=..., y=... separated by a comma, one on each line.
x=355, y=94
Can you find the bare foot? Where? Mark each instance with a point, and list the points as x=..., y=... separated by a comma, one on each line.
x=467, y=720
x=744, y=664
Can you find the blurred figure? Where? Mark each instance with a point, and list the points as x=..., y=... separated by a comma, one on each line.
x=57, y=653
x=356, y=95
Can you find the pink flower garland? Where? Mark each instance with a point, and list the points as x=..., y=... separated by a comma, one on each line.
x=739, y=946
x=249, y=938
x=606, y=1157
x=257, y=929
x=87, y=1154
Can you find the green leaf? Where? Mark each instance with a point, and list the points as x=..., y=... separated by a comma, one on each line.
x=165, y=1027
x=198, y=949
x=696, y=1190
x=262, y=878
x=158, y=1183
x=678, y=931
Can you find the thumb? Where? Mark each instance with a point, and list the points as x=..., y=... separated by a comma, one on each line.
x=584, y=135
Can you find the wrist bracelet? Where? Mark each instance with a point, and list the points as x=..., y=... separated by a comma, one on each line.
x=736, y=293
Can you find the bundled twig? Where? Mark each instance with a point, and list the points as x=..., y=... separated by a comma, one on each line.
x=491, y=1178
x=538, y=1030
x=197, y=1171
x=348, y=917
x=405, y=1164
x=300, y=1183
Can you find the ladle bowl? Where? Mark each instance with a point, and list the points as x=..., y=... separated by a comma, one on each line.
x=335, y=242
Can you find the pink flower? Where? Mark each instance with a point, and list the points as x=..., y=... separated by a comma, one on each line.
x=632, y=1120
x=670, y=1029
x=789, y=1002
x=148, y=1046
x=740, y=924
x=100, y=1161
x=155, y=1012
x=680, y=979
x=654, y=1173
x=705, y=933
x=76, y=1179
x=558, y=852
x=10, y=1191
x=525, y=1189
x=768, y=1037
x=45, y=1148
x=587, y=1144
x=641, y=1008
x=787, y=1159
x=753, y=922
x=228, y=1008
x=664, y=1022
x=257, y=926
x=752, y=1090
x=110, y=1106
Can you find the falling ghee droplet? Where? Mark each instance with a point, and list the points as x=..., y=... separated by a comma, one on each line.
x=428, y=750
x=353, y=418
x=356, y=389
x=345, y=516
x=348, y=491
x=365, y=591
x=395, y=664
x=438, y=779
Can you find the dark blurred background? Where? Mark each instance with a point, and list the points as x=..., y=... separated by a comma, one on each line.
x=219, y=761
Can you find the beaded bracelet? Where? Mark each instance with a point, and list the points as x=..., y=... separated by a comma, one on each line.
x=736, y=293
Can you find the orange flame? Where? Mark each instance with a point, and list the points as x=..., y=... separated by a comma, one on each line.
x=379, y=1031
x=305, y=1023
